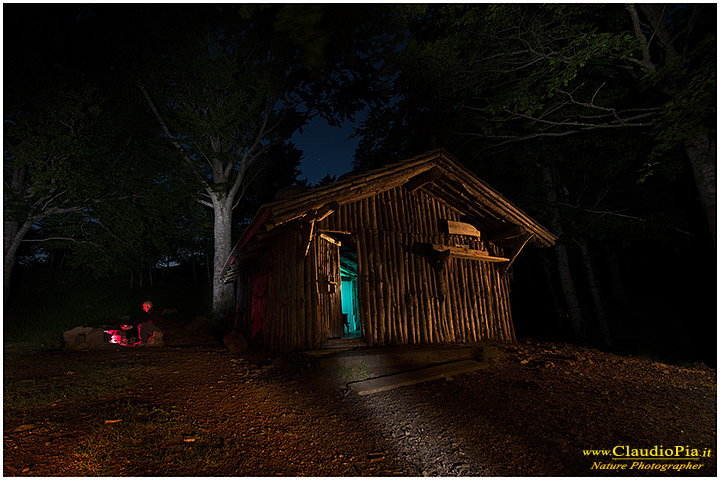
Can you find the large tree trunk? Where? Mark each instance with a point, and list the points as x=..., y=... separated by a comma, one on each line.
x=9, y=230
x=546, y=265
x=617, y=282
x=222, y=304
x=572, y=303
x=597, y=298
x=13, y=233
x=701, y=149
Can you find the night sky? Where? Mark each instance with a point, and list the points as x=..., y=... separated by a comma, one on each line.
x=326, y=149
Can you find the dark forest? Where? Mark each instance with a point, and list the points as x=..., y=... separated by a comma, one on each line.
x=140, y=140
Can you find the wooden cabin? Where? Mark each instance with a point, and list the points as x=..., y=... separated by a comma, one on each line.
x=416, y=252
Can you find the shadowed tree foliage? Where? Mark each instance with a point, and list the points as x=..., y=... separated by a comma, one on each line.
x=46, y=149
x=524, y=72
x=82, y=173
x=279, y=171
x=79, y=174
x=221, y=89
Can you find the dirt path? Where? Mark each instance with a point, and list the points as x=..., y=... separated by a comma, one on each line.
x=199, y=410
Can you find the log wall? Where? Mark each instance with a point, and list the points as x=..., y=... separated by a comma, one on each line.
x=403, y=298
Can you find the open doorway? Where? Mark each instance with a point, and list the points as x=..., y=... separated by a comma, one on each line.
x=349, y=288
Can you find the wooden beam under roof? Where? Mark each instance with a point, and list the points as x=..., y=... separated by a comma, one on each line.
x=326, y=210
x=307, y=231
x=423, y=178
x=517, y=251
x=512, y=233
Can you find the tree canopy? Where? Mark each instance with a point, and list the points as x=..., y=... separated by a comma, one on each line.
x=192, y=101
x=494, y=76
x=592, y=117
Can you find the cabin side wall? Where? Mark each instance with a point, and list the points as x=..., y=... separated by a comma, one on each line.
x=285, y=323
x=403, y=298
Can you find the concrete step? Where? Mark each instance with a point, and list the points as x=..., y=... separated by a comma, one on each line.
x=352, y=364
x=342, y=343
x=381, y=384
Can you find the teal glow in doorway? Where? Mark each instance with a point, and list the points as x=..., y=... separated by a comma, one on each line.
x=348, y=289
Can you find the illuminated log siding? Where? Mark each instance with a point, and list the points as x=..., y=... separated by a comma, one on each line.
x=403, y=298
x=419, y=278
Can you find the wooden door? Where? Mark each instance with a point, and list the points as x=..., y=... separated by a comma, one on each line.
x=328, y=278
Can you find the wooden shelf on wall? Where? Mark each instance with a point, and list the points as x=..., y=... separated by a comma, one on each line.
x=466, y=253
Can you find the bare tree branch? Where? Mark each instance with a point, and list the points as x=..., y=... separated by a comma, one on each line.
x=646, y=62
x=50, y=199
x=248, y=155
x=169, y=135
x=603, y=213
x=62, y=239
x=204, y=202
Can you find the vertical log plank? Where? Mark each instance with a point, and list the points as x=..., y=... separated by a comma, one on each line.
x=411, y=297
x=401, y=265
x=485, y=289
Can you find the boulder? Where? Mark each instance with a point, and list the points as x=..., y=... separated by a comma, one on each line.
x=95, y=338
x=83, y=338
x=156, y=340
x=235, y=342
x=75, y=337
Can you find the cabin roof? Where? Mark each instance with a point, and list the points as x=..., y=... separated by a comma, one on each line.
x=437, y=172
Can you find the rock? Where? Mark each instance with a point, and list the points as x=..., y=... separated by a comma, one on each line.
x=75, y=337
x=156, y=340
x=25, y=427
x=95, y=338
x=83, y=338
x=235, y=342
